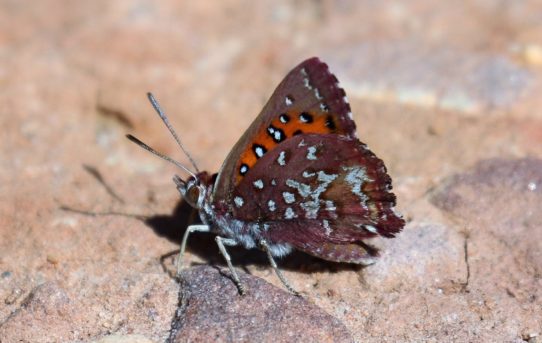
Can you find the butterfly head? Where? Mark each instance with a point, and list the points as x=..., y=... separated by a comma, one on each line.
x=194, y=190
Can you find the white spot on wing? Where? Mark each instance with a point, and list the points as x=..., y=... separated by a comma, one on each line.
x=327, y=227
x=303, y=189
x=330, y=206
x=306, y=174
x=282, y=158
x=317, y=94
x=350, y=116
x=271, y=205
x=356, y=177
x=258, y=184
x=289, y=198
x=288, y=101
x=311, y=153
x=326, y=178
x=238, y=201
x=259, y=151
x=311, y=205
x=307, y=83
x=289, y=213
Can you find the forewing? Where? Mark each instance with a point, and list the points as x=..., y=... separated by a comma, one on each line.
x=308, y=100
x=318, y=188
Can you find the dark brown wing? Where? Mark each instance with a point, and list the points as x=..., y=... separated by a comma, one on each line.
x=308, y=100
x=314, y=191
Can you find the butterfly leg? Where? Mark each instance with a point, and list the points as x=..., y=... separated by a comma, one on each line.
x=189, y=230
x=221, y=242
x=265, y=247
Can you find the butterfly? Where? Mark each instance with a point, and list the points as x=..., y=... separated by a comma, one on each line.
x=298, y=178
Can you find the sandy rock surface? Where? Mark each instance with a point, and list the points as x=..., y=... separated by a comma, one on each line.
x=210, y=310
x=446, y=93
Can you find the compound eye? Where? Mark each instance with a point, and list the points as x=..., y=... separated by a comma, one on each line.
x=193, y=193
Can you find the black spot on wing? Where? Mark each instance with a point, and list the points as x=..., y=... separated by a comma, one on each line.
x=306, y=118
x=284, y=118
x=330, y=123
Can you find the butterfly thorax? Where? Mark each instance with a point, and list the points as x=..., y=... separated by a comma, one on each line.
x=216, y=214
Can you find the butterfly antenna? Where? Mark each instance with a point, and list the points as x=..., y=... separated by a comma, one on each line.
x=154, y=152
x=170, y=128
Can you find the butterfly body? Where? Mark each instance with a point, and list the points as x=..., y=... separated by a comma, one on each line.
x=298, y=178
x=221, y=222
x=315, y=190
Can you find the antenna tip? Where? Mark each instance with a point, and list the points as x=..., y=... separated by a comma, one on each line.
x=132, y=138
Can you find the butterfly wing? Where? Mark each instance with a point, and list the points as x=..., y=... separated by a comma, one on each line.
x=300, y=175
x=308, y=100
x=318, y=191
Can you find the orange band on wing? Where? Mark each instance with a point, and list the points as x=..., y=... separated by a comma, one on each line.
x=283, y=127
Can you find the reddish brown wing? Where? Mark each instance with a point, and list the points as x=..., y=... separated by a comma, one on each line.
x=315, y=191
x=308, y=100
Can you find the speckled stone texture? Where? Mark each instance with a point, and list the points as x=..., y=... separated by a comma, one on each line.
x=211, y=310
x=447, y=93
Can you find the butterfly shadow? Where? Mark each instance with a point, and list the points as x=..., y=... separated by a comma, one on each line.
x=203, y=245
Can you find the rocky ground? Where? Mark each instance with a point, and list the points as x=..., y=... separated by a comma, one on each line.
x=448, y=94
